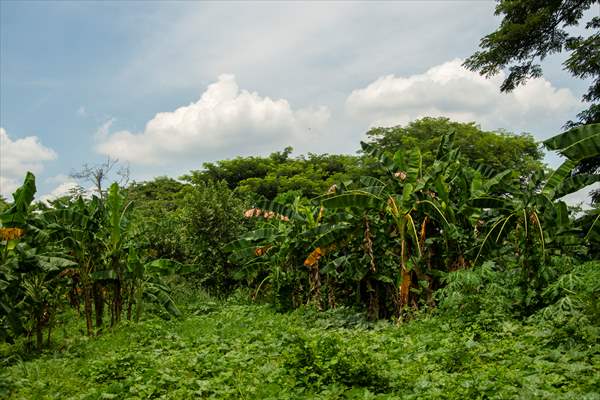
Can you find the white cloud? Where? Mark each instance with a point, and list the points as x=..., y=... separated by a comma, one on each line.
x=63, y=189
x=452, y=91
x=19, y=156
x=224, y=117
x=81, y=111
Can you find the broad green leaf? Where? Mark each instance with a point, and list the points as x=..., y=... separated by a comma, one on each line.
x=557, y=177
x=163, y=266
x=496, y=179
x=330, y=236
x=572, y=136
x=488, y=202
x=575, y=183
x=54, y=263
x=586, y=148
x=445, y=145
x=16, y=214
x=108, y=274
x=352, y=199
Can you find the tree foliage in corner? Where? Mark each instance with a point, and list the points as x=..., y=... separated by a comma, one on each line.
x=532, y=30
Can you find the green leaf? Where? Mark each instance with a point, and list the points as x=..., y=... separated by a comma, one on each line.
x=572, y=136
x=163, y=266
x=17, y=213
x=575, y=183
x=352, y=199
x=488, y=202
x=108, y=274
x=330, y=236
x=557, y=177
x=584, y=148
x=446, y=145
x=54, y=263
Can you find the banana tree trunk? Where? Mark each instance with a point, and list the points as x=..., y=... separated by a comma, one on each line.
x=130, y=303
x=117, y=302
x=406, y=276
x=139, y=301
x=39, y=337
x=87, y=307
x=98, y=304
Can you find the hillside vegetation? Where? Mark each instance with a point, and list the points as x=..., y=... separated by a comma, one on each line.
x=412, y=270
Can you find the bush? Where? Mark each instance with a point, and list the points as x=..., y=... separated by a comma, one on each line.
x=212, y=216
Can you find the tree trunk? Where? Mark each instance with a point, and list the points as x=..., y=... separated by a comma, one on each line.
x=139, y=302
x=406, y=278
x=87, y=307
x=117, y=302
x=373, y=307
x=130, y=304
x=98, y=304
x=49, y=327
x=314, y=280
x=39, y=337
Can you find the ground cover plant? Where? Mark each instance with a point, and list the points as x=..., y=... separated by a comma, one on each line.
x=474, y=347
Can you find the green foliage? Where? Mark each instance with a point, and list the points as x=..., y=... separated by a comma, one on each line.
x=211, y=217
x=157, y=228
x=224, y=350
x=479, y=268
x=269, y=177
x=499, y=150
x=531, y=31
x=30, y=266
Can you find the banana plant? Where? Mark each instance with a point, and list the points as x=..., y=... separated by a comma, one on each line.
x=533, y=215
x=116, y=229
x=144, y=283
x=78, y=226
x=30, y=266
x=404, y=198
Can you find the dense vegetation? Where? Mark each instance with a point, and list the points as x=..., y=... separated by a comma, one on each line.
x=415, y=269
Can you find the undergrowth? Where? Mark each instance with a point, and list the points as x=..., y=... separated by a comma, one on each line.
x=476, y=345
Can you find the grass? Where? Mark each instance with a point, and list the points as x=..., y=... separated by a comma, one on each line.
x=237, y=350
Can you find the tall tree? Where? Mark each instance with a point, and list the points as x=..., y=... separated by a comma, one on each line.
x=530, y=31
x=499, y=150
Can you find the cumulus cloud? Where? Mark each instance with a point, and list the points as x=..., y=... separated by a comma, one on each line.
x=224, y=117
x=64, y=188
x=19, y=156
x=452, y=91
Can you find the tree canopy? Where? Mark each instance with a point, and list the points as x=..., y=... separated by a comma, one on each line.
x=500, y=150
x=532, y=30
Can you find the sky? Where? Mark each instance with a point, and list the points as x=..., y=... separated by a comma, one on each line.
x=167, y=86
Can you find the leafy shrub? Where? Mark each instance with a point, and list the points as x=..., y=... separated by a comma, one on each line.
x=327, y=359
x=211, y=217
x=485, y=293
x=573, y=314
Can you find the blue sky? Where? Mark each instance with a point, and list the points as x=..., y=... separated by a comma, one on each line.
x=167, y=86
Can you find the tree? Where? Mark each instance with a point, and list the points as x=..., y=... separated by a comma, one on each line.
x=528, y=33
x=211, y=216
x=499, y=150
x=99, y=173
x=532, y=30
x=277, y=174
